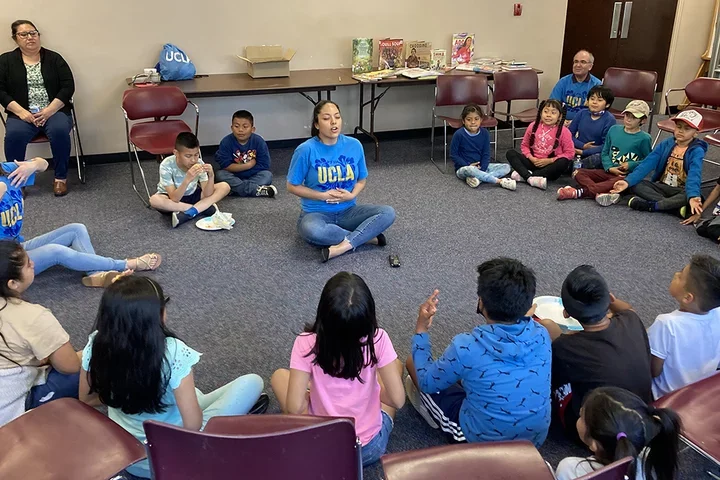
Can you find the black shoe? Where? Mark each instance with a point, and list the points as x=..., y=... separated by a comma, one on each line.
x=178, y=218
x=640, y=204
x=266, y=191
x=325, y=254
x=261, y=405
x=209, y=212
x=382, y=241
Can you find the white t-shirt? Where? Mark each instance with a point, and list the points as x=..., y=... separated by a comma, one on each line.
x=690, y=346
x=571, y=468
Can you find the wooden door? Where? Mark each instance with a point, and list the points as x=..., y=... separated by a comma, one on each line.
x=626, y=33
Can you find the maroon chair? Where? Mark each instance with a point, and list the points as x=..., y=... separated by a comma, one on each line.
x=698, y=405
x=634, y=85
x=517, y=85
x=74, y=139
x=614, y=471
x=704, y=96
x=469, y=461
x=256, y=446
x=65, y=439
x=456, y=90
x=156, y=136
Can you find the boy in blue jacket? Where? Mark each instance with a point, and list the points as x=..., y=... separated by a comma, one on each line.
x=244, y=159
x=591, y=125
x=492, y=383
x=676, y=164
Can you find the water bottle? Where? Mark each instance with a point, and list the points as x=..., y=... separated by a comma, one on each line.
x=34, y=109
x=577, y=164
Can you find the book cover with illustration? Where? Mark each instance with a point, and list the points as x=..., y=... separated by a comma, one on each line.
x=390, y=53
x=438, y=59
x=463, y=46
x=362, y=50
x=417, y=54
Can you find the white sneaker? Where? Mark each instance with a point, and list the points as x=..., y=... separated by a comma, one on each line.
x=538, y=182
x=414, y=396
x=607, y=199
x=508, y=183
x=516, y=176
x=472, y=182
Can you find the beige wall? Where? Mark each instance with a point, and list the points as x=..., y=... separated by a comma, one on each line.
x=693, y=22
x=104, y=42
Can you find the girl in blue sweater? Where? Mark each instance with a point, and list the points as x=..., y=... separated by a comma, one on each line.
x=470, y=152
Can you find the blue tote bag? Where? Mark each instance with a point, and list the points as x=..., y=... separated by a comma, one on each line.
x=174, y=64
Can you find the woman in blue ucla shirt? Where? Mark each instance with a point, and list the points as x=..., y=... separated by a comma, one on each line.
x=328, y=172
x=68, y=246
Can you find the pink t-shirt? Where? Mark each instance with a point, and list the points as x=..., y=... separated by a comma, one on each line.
x=545, y=140
x=340, y=397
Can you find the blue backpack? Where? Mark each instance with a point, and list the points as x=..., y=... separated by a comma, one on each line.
x=174, y=64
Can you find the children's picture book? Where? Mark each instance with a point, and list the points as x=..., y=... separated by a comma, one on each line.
x=419, y=73
x=390, y=53
x=362, y=50
x=438, y=59
x=375, y=76
x=463, y=46
x=417, y=54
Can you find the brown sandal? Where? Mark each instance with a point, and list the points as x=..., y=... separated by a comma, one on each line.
x=149, y=261
x=101, y=279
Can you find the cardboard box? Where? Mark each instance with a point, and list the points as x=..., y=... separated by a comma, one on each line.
x=267, y=61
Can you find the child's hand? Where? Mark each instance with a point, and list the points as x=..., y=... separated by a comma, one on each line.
x=696, y=205
x=339, y=195
x=624, y=166
x=691, y=220
x=616, y=171
x=578, y=151
x=426, y=313
x=476, y=164
x=193, y=172
x=543, y=162
x=208, y=169
x=620, y=186
x=588, y=145
x=531, y=312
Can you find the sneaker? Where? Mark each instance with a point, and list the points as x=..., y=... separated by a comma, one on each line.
x=472, y=182
x=516, y=176
x=414, y=396
x=210, y=211
x=640, y=204
x=607, y=199
x=508, y=183
x=567, y=193
x=538, y=182
x=261, y=405
x=266, y=191
x=178, y=218
x=382, y=241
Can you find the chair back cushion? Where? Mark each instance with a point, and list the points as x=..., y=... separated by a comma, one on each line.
x=150, y=102
x=631, y=83
x=704, y=91
x=516, y=85
x=461, y=89
x=614, y=471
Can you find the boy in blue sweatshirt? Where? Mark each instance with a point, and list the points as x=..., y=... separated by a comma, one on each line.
x=590, y=126
x=492, y=383
x=244, y=159
x=676, y=164
x=470, y=152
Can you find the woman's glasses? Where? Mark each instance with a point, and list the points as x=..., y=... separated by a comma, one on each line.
x=31, y=34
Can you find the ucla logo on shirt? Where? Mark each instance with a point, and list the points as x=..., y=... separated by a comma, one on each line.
x=11, y=216
x=336, y=174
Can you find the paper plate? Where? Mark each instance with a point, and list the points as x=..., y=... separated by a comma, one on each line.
x=552, y=308
x=208, y=224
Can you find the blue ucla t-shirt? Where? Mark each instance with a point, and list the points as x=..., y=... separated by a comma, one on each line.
x=11, y=206
x=327, y=167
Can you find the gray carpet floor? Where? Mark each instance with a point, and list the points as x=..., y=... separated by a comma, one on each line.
x=241, y=296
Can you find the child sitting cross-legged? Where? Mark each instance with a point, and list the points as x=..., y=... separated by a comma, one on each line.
x=546, y=150
x=187, y=185
x=590, y=126
x=492, y=383
x=470, y=152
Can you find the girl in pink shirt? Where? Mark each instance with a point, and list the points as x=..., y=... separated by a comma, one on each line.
x=336, y=371
x=547, y=148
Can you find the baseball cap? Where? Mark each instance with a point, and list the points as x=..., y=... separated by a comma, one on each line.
x=690, y=117
x=638, y=108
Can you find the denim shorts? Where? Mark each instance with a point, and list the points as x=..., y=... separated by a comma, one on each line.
x=376, y=447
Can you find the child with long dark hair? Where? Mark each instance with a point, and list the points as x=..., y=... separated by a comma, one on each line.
x=615, y=424
x=349, y=365
x=137, y=367
x=37, y=362
x=547, y=147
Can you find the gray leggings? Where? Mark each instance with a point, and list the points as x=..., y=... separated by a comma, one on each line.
x=667, y=197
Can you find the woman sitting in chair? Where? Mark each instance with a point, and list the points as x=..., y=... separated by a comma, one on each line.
x=36, y=88
x=68, y=246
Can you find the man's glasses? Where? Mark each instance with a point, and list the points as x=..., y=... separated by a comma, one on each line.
x=581, y=62
x=31, y=34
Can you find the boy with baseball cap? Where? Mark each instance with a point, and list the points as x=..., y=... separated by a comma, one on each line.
x=676, y=164
x=625, y=146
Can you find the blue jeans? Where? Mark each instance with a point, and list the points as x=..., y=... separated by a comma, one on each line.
x=18, y=134
x=593, y=161
x=58, y=385
x=358, y=224
x=70, y=247
x=376, y=447
x=244, y=187
x=235, y=398
x=493, y=173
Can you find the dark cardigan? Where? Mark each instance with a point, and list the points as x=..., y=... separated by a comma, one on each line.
x=56, y=73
